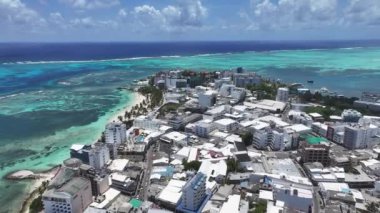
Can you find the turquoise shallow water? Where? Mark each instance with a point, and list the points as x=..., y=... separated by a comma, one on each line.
x=46, y=107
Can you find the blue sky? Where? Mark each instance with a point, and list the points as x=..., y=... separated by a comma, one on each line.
x=163, y=20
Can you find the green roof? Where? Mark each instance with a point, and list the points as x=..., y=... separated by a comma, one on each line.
x=135, y=203
x=314, y=140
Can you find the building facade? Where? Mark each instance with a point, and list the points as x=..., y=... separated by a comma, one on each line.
x=73, y=197
x=282, y=94
x=115, y=133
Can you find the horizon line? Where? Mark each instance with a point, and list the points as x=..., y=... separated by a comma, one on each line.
x=201, y=41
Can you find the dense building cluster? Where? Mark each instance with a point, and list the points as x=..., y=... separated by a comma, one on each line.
x=215, y=146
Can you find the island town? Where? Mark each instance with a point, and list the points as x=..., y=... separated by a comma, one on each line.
x=225, y=142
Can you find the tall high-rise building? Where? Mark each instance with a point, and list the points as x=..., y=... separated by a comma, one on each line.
x=194, y=193
x=115, y=133
x=96, y=155
x=72, y=197
x=282, y=94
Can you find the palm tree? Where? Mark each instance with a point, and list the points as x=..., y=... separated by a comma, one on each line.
x=373, y=207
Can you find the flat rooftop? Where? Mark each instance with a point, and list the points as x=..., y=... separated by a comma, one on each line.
x=266, y=104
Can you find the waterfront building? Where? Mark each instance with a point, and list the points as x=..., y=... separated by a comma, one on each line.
x=351, y=115
x=369, y=100
x=146, y=122
x=282, y=94
x=96, y=155
x=72, y=197
x=244, y=79
x=115, y=133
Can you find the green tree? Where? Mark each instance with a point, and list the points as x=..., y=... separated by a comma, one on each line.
x=247, y=138
x=232, y=165
x=36, y=205
x=373, y=207
x=193, y=165
x=261, y=207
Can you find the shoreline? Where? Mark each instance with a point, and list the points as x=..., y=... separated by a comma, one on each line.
x=136, y=100
x=33, y=191
x=38, y=178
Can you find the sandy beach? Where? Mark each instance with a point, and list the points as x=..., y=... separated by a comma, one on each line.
x=137, y=98
x=39, y=178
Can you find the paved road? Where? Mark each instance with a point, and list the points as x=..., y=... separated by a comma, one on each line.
x=316, y=201
x=144, y=184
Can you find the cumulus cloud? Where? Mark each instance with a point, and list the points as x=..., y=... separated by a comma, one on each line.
x=267, y=14
x=362, y=12
x=89, y=22
x=91, y=4
x=185, y=14
x=16, y=12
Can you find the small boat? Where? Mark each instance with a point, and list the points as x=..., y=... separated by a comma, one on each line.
x=310, y=81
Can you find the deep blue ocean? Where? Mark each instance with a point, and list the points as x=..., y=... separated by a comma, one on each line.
x=16, y=52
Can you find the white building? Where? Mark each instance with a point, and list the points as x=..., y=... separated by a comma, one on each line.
x=217, y=112
x=238, y=93
x=145, y=122
x=176, y=138
x=359, y=137
x=351, y=115
x=115, y=133
x=244, y=79
x=172, y=193
x=207, y=99
x=232, y=204
x=73, y=197
x=99, y=156
x=299, y=117
x=226, y=125
x=319, y=128
x=260, y=139
x=275, y=139
x=225, y=90
x=282, y=94
x=214, y=170
x=203, y=128
x=295, y=198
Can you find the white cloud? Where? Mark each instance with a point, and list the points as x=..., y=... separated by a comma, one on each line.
x=56, y=18
x=267, y=14
x=122, y=13
x=91, y=4
x=186, y=14
x=16, y=12
x=89, y=22
x=362, y=12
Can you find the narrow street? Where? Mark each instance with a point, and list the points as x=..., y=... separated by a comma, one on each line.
x=144, y=184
